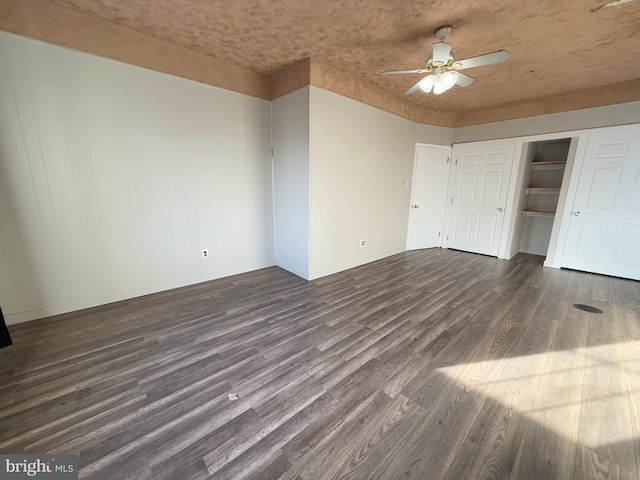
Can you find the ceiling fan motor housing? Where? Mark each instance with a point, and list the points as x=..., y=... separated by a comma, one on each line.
x=443, y=32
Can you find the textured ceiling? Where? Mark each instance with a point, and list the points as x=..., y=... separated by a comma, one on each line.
x=556, y=46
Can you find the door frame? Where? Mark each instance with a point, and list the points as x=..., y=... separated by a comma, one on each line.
x=449, y=149
x=515, y=181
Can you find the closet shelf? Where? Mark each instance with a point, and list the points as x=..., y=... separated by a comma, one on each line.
x=543, y=191
x=556, y=164
x=533, y=213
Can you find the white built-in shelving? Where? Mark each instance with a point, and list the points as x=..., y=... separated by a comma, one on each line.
x=540, y=193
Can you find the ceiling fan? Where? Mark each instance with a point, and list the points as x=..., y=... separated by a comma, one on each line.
x=443, y=69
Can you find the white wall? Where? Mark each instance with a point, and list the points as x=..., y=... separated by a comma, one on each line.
x=361, y=167
x=622, y=114
x=113, y=177
x=290, y=118
x=535, y=235
x=434, y=135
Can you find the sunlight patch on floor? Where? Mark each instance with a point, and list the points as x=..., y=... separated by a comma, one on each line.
x=583, y=394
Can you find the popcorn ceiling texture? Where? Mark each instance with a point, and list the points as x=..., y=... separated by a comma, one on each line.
x=290, y=78
x=316, y=73
x=350, y=85
x=42, y=20
x=561, y=52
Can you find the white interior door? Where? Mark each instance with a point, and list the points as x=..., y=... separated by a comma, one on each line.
x=604, y=233
x=478, y=204
x=428, y=197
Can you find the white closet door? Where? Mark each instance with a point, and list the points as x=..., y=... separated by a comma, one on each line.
x=428, y=197
x=480, y=186
x=604, y=233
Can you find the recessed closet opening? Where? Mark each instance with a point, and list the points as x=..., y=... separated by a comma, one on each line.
x=543, y=176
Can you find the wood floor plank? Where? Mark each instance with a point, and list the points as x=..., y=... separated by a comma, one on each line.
x=490, y=449
x=254, y=453
x=432, y=362
x=320, y=458
x=189, y=462
x=369, y=451
x=549, y=443
x=605, y=416
x=591, y=466
x=630, y=352
x=34, y=424
x=433, y=446
x=148, y=431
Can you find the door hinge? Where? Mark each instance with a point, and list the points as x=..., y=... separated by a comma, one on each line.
x=447, y=159
x=447, y=237
x=438, y=233
x=456, y=161
x=452, y=201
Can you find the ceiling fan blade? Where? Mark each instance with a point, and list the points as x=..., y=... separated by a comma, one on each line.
x=463, y=80
x=402, y=72
x=413, y=89
x=486, y=59
x=441, y=51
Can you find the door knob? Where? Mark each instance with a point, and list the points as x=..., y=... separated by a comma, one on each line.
x=500, y=209
x=577, y=214
x=414, y=206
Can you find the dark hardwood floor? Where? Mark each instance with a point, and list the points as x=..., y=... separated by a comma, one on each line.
x=430, y=364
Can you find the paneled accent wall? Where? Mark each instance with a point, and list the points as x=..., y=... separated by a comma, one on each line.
x=113, y=178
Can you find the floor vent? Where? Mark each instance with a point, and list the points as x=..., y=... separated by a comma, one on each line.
x=587, y=308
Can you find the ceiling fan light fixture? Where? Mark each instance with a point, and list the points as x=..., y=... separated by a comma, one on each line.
x=449, y=79
x=426, y=84
x=438, y=86
x=442, y=66
x=443, y=82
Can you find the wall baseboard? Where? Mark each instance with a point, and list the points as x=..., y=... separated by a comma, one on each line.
x=29, y=315
x=361, y=261
x=511, y=254
x=533, y=252
x=295, y=270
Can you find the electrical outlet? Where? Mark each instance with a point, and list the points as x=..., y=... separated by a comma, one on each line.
x=363, y=243
x=205, y=253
